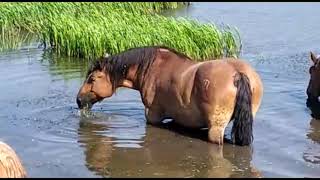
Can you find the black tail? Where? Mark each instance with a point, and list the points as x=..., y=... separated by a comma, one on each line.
x=241, y=132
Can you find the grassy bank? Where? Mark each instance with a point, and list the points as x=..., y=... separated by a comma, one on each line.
x=91, y=29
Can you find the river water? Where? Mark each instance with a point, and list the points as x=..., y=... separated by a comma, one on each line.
x=40, y=120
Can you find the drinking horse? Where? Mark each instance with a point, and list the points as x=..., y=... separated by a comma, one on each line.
x=206, y=94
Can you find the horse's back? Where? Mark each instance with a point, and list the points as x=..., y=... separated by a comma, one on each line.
x=228, y=67
x=10, y=164
x=231, y=64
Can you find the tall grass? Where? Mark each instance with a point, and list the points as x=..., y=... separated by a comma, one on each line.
x=12, y=38
x=90, y=30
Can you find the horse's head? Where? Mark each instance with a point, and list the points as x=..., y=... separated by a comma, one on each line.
x=96, y=87
x=313, y=90
x=125, y=69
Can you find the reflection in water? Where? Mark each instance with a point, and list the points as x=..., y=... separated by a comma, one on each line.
x=314, y=133
x=313, y=153
x=314, y=106
x=68, y=67
x=164, y=154
x=98, y=148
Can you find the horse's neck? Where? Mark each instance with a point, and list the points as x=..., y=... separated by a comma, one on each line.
x=162, y=70
x=172, y=67
x=130, y=80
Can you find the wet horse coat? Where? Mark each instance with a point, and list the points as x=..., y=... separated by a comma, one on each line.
x=10, y=164
x=313, y=90
x=194, y=94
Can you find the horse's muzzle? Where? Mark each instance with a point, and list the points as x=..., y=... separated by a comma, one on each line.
x=86, y=101
x=83, y=104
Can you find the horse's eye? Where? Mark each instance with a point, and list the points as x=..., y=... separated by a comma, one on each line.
x=90, y=80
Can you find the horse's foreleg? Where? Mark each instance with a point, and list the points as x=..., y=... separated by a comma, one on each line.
x=153, y=116
x=217, y=124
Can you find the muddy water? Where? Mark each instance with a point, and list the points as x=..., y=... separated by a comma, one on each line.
x=40, y=120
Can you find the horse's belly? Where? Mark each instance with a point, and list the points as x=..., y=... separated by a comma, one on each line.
x=191, y=122
x=189, y=118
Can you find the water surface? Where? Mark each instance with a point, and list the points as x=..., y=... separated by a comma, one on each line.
x=40, y=120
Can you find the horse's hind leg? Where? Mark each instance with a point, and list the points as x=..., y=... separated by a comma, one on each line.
x=218, y=122
x=257, y=94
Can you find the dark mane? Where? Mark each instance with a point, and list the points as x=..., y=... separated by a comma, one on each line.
x=117, y=65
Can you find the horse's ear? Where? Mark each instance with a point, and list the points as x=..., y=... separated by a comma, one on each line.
x=313, y=57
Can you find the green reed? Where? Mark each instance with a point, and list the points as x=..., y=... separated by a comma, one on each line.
x=12, y=38
x=89, y=30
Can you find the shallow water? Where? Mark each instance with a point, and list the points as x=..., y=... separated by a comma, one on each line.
x=40, y=120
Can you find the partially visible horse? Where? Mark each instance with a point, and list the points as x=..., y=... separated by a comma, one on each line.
x=313, y=90
x=193, y=94
x=10, y=164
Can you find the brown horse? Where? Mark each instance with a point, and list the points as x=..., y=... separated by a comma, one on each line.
x=196, y=95
x=313, y=90
x=10, y=164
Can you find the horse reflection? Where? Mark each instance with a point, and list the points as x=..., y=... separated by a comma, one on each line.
x=312, y=155
x=164, y=154
x=98, y=148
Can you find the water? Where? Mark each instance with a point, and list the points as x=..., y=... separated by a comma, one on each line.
x=40, y=120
